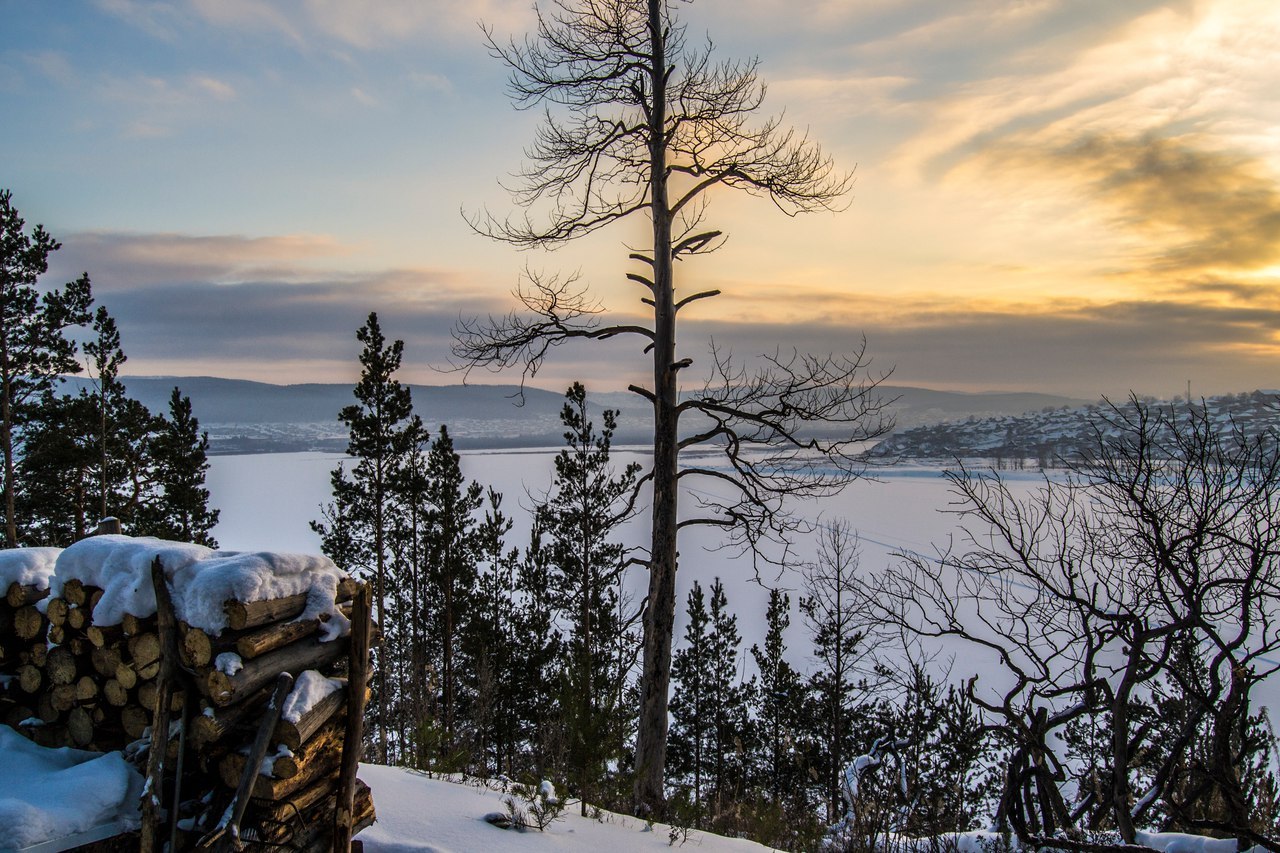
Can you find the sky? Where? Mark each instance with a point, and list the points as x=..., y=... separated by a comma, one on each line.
x=1071, y=196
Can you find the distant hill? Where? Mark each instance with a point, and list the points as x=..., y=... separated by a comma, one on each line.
x=257, y=417
x=1041, y=438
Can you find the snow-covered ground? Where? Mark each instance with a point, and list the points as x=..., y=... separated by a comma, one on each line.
x=48, y=794
x=53, y=793
x=417, y=814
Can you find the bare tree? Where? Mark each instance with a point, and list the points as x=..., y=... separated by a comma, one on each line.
x=1163, y=538
x=639, y=122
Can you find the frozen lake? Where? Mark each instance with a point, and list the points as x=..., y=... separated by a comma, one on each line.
x=267, y=501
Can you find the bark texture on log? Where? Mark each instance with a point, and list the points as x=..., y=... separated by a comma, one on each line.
x=294, y=735
x=310, y=653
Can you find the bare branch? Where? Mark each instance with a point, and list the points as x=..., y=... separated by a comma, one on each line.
x=556, y=310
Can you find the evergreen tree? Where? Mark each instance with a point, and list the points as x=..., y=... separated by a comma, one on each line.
x=382, y=432
x=944, y=759
x=586, y=504
x=451, y=556
x=689, y=744
x=33, y=348
x=89, y=456
x=491, y=641
x=57, y=470
x=413, y=661
x=831, y=611
x=779, y=710
x=180, y=508
x=105, y=357
x=730, y=734
x=710, y=736
x=538, y=647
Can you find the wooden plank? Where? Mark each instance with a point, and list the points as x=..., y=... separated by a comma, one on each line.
x=344, y=819
x=226, y=836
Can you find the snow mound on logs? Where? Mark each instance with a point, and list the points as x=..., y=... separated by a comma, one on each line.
x=27, y=566
x=202, y=580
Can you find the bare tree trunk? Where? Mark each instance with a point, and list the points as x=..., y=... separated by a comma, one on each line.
x=1231, y=720
x=659, y=618
x=1121, y=795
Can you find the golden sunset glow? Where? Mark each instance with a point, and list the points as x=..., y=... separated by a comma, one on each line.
x=1080, y=197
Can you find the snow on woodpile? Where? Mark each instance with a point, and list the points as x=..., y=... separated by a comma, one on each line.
x=202, y=580
x=309, y=691
x=27, y=567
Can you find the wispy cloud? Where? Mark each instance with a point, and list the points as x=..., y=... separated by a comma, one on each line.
x=165, y=92
x=182, y=300
x=121, y=260
x=163, y=20
x=362, y=24
x=1197, y=70
x=54, y=65
x=1199, y=210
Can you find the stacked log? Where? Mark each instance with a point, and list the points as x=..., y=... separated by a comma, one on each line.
x=73, y=682
x=68, y=679
x=293, y=792
x=23, y=650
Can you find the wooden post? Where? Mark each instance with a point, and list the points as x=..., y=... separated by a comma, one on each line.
x=352, y=746
x=108, y=525
x=152, y=808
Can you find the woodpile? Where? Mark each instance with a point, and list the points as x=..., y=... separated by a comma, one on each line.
x=259, y=713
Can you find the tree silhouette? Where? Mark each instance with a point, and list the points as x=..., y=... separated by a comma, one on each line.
x=33, y=349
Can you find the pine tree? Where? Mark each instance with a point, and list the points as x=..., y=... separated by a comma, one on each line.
x=779, y=709
x=179, y=453
x=34, y=350
x=730, y=734
x=451, y=556
x=709, y=707
x=944, y=758
x=491, y=641
x=586, y=504
x=689, y=743
x=89, y=456
x=539, y=653
x=413, y=658
x=57, y=470
x=105, y=358
x=382, y=431
x=831, y=612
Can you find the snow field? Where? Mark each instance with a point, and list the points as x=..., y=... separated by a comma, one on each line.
x=417, y=814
